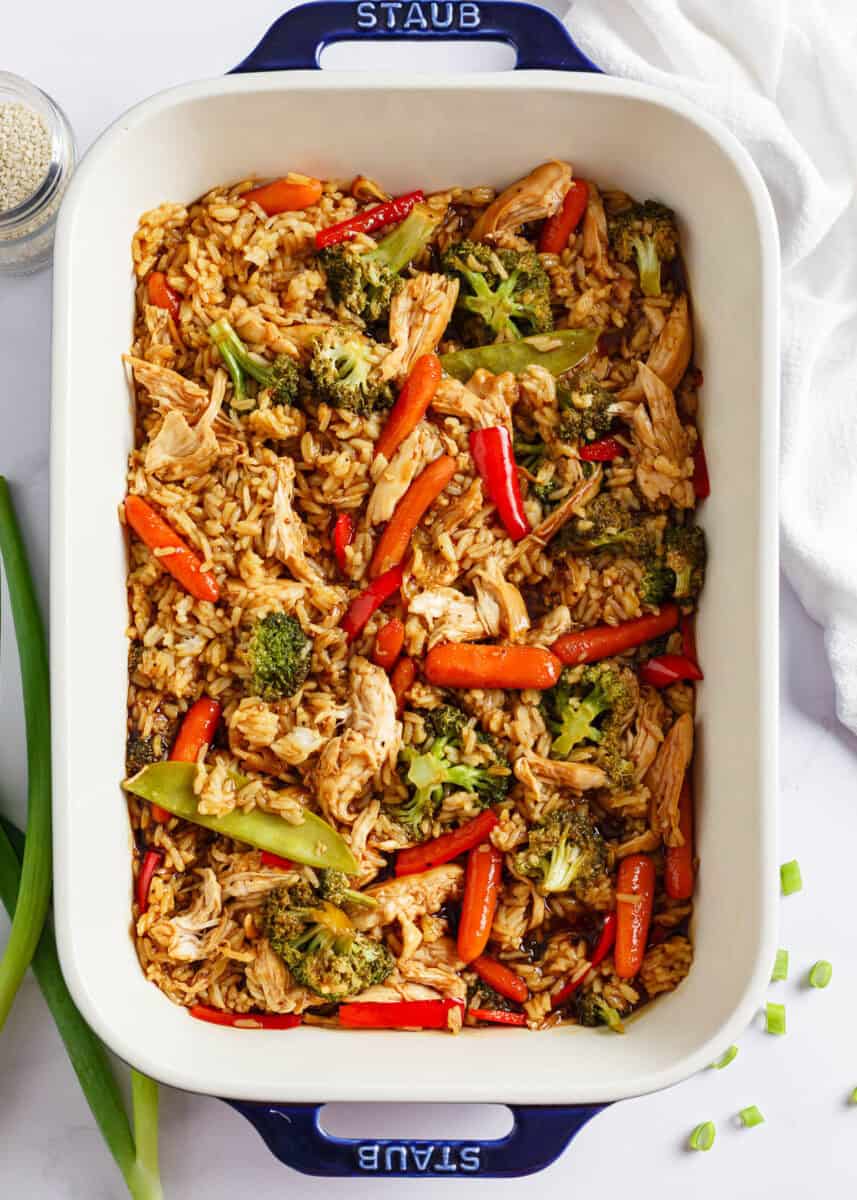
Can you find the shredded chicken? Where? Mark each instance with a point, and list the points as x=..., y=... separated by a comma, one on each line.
x=664, y=467
x=179, y=450
x=187, y=942
x=419, y=315
x=450, y=616
x=641, y=843
x=532, y=198
x=271, y=985
x=285, y=539
x=371, y=739
x=670, y=354
x=393, y=478
x=595, y=240
x=411, y=896
x=580, y=776
x=665, y=777
x=650, y=719
x=499, y=603
x=437, y=965
x=167, y=388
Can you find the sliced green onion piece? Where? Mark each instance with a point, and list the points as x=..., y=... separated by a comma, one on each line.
x=775, y=1018
x=790, y=880
x=702, y=1137
x=821, y=974
x=854, y=1096
x=751, y=1116
x=726, y=1058
x=781, y=967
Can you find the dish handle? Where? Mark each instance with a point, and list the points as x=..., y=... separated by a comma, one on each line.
x=539, y=1134
x=296, y=40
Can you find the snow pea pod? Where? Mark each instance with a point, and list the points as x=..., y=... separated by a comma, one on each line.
x=556, y=352
x=313, y=842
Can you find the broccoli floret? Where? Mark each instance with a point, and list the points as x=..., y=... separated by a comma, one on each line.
x=430, y=773
x=592, y=1009
x=333, y=886
x=319, y=945
x=365, y=281
x=481, y=995
x=279, y=653
x=606, y=526
x=281, y=376
x=587, y=409
x=343, y=369
x=565, y=852
x=685, y=554
x=529, y=455
x=545, y=492
x=590, y=710
x=139, y=753
x=507, y=291
x=657, y=584
x=648, y=233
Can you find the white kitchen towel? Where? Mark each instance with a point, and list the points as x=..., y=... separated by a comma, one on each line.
x=781, y=75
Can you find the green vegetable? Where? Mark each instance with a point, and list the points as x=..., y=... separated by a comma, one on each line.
x=592, y=1009
x=505, y=293
x=685, y=554
x=281, y=376
x=586, y=408
x=607, y=525
x=726, y=1058
x=343, y=369
x=821, y=974
x=703, y=1136
x=645, y=232
x=35, y=888
x=854, y=1096
x=564, y=852
x=85, y=1051
x=781, y=967
x=557, y=352
x=320, y=946
x=280, y=654
x=751, y=1116
x=595, y=709
x=775, y=1018
x=431, y=772
x=365, y=281
x=333, y=886
x=790, y=878
x=313, y=842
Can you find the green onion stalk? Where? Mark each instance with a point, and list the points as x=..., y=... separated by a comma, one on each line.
x=35, y=888
x=139, y=1165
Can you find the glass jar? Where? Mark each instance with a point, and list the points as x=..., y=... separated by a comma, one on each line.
x=27, y=230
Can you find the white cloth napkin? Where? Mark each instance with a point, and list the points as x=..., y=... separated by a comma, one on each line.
x=781, y=76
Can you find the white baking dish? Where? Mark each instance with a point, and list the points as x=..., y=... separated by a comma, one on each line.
x=430, y=132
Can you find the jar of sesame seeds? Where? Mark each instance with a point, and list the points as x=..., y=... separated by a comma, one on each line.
x=37, y=157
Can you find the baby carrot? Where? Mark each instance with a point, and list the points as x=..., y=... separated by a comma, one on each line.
x=603, y=641
x=636, y=877
x=182, y=563
x=500, y=978
x=466, y=665
x=678, y=860
x=482, y=884
x=558, y=229
x=412, y=404
x=286, y=195
x=394, y=541
x=161, y=294
x=388, y=644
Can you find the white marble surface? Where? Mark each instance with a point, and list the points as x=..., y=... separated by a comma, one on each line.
x=97, y=58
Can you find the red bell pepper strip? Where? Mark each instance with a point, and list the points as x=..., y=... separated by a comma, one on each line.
x=401, y=677
x=470, y=665
x=388, y=644
x=394, y=542
x=603, y=641
x=500, y=978
x=412, y=404
x=448, y=846
x=268, y=859
x=604, y=450
x=558, y=229
x=636, y=877
x=286, y=195
x=397, y=1014
x=343, y=536
x=150, y=864
x=391, y=212
x=605, y=943
x=183, y=564
x=248, y=1020
x=162, y=295
x=666, y=669
x=687, y=625
x=495, y=462
x=370, y=599
x=497, y=1016
x=678, y=860
x=701, y=482
x=482, y=882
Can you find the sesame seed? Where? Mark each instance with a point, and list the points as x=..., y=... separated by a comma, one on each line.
x=25, y=153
